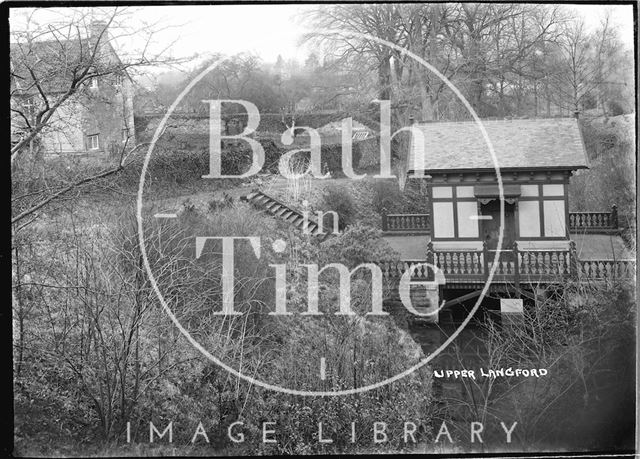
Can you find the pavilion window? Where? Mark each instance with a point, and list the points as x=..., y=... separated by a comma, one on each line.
x=443, y=226
x=529, y=218
x=554, y=219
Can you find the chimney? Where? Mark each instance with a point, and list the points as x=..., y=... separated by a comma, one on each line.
x=97, y=28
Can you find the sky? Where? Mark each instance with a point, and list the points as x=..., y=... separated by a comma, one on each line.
x=267, y=30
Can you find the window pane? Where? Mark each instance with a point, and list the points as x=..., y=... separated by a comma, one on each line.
x=467, y=226
x=442, y=219
x=442, y=192
x=529, y=218
x=554, y=219
x=529, y=190
x=465, y=192
x=553, y=190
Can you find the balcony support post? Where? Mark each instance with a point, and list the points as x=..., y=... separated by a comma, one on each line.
x=485, y=259
x=573, y=261
x=431, y=260
x=516, y=268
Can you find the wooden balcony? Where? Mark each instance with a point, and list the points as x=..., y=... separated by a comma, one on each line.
x=579, y=222
x=515, y=266
x=594, y=222
x=406, y=223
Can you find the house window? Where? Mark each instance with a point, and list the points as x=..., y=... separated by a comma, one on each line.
x=118, y=79
x=529, y=218
x=465, y=192
x=553, y=190
x=93, y=142
x=529, y=190
x=554, y=219
x=468, y=218
x=29, y=106
x=442, y=192
x=443, y=226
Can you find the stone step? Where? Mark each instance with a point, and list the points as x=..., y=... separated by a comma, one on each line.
x=280, y=210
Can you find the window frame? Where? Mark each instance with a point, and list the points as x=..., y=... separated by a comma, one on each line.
x=540, y=199
x=454, y=200
x=29, y=106
x=90, y=139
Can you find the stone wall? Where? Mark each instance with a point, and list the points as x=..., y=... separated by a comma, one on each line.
x=193, y=128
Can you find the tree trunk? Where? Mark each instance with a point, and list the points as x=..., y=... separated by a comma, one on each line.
x=547, y=96
x=384, y=78
x=426, y=106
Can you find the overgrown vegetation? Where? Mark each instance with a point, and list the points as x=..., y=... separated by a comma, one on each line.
x=94, y=348
x=584, y=336
x=96, y=355
x=611, y=179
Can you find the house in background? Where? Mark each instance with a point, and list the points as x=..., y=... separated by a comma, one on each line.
x=97, y=120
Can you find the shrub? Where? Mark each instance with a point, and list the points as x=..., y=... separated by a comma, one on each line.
x=385, y=195
x=338, y=199
x=358, y=244
x=332, y=158
x=615, y=108
x=158, y=376
x=585, y=338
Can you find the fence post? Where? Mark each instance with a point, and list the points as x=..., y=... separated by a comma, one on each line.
x=573, y=260
x=485, y=259
x=384, y=219
x=516, y=266
x=614, y=216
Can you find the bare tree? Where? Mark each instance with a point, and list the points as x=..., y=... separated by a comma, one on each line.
x=53, y=67
x=580, y=62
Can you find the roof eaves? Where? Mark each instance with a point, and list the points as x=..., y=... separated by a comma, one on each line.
x=492, y=169
x=584, y=146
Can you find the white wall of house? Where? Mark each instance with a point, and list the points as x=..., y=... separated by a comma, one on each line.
x=457, y=245
x=522, y=245
x=65, y=134
x=543, y=245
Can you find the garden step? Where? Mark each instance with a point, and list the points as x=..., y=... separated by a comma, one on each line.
x=280, y=210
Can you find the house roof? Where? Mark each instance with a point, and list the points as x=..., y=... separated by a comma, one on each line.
x=54, y=61
x=518, y=144
x=51, y=61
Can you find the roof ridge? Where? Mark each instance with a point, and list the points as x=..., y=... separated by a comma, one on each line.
x=495, y=120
